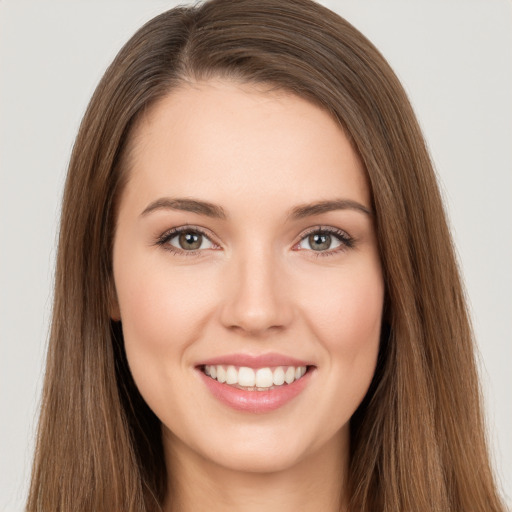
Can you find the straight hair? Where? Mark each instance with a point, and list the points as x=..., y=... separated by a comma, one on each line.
x=417, y=439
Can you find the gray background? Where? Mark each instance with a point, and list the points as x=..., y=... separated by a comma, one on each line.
x=455, y=60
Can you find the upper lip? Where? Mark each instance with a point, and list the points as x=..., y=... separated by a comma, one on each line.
x=255, y=361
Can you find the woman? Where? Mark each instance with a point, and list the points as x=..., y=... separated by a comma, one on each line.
x=312, y=350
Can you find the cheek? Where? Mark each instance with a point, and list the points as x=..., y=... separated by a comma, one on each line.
x=159, y=314
x=348, y=327
x=349, y=310
x=347, y=323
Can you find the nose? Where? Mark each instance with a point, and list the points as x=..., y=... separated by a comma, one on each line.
x=257, y=299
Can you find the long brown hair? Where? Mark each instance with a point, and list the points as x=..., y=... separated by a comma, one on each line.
x=417, y=440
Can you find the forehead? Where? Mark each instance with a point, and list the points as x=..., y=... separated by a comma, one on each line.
x=227, y=142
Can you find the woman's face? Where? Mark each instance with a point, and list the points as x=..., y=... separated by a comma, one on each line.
x=245, y=249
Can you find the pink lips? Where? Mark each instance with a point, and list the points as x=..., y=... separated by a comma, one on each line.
x=255, y=401
x=251, y=361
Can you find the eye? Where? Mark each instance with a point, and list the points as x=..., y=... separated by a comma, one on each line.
x=326, y=241
x=188, y=241
x=185, y=240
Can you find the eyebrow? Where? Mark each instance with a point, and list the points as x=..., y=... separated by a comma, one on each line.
x=217, y=212
x=186, y=205
x=308, y=210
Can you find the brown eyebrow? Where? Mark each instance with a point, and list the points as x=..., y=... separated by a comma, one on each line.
x=187, y=205
x=307, y=210
x=217, y=212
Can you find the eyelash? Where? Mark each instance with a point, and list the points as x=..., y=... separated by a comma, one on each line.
x=347, y=242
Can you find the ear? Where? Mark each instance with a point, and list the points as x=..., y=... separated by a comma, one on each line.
x=113, y=303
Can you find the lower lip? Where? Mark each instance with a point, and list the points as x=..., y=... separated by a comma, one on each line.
x=256, y=401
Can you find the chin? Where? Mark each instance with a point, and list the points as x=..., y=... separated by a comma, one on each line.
x=270, y=450
x=246, y=459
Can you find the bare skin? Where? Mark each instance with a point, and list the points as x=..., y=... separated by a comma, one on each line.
x=262, y=275
x=198, y=483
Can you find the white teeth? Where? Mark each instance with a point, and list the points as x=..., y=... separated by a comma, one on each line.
x=289, y=376
x=278, y=377
x=261, y=379
x=246, y=377
x=221, y=374
x=264, y=378
x=231, y=375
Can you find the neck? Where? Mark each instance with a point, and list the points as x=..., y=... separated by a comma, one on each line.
x=316, y=482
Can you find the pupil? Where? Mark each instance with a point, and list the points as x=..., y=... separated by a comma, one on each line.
x=320, y=241
x=190, y=240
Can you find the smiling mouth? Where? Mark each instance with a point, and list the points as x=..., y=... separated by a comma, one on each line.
x=255, y=379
